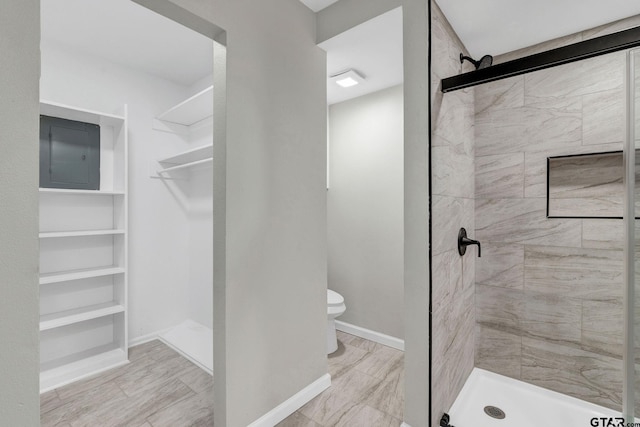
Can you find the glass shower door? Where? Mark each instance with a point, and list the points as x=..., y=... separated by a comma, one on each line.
x=631, y=390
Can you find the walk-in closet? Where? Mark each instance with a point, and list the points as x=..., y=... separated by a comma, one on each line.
x=126, y=188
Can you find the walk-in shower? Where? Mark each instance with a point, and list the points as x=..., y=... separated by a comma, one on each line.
x=540, y=330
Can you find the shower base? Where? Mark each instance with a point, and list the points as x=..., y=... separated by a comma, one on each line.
x=523, y=404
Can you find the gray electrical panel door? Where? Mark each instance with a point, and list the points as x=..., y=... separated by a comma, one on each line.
x=69, y=154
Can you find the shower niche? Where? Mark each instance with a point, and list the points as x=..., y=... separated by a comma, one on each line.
x=586, y=185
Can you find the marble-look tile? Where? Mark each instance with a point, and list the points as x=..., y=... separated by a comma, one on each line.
x=382, y=362
x=344, y=359
x=551, y=317
x=535, y=180
x=538, y=48
x=453, y=169
x=455, y=118
x=593, y=75
x=388, y=396
x=445, y=62
x=443, y=275
x=523, y=221
x=597, y=175
x=593, y=274
x=614, y=27
x=502, y=265
x=500, y=176
x=468, y=266
x=193, y=411
x=499, y=308
x=461, y=355
x=602, y=327
x=498, y=351
x=449, y=214
x=365, y=416
x=297, y=420
x=603, y=206
x=329, y=405
x=578, y=373
x=602, y=234
x=603, y=117
x=586, y=186
x=440, y=391
x=502, y=94
x=532, y=128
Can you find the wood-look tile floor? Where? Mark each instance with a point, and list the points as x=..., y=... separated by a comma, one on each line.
x=158, y=388
x=161, y=388
x=367, y=388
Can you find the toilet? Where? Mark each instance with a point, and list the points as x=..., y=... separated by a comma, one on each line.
x=335, y=307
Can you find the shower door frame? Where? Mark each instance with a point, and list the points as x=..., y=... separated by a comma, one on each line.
x=629, y=214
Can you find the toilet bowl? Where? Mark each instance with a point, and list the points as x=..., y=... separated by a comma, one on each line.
x=335, y=307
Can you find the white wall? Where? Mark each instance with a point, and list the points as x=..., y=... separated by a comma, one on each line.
x=19, y=130
x=158, y=211
x=365, y=209
x=201, y=234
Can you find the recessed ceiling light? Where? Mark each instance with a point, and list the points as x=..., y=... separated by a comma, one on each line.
x=347, y=78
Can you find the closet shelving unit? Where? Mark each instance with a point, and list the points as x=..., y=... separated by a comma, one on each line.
x=187, y=114
x=188, y=118
x=83, y=262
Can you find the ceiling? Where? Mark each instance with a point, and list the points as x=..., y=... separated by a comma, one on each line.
x=128, y=34
x=373, y=49
x=317, y=5
x=499, y=26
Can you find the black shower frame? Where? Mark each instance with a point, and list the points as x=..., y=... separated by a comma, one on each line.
x=602, y=45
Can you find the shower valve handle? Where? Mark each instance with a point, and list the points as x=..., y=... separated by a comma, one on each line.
x=464, y=241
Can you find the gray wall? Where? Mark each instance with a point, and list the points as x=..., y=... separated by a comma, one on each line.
x=19, y=122
x=548, y=291
x=453, y=207
x=365, y=209
x=270, y=264
x=337, y=18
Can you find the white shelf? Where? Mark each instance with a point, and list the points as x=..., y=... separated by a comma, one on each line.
x=189, y=156
x=186, y=166
x=79, y=274
x=69, y=317
x=81, y=192
x=55, y=109
x=192, y=110
x=56, y=234
x=79, y=369
x=92, y=337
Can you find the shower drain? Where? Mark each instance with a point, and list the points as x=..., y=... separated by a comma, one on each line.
x=494, y=412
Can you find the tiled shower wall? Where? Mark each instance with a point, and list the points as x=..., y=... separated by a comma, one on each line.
x=452, y=208
x=548, y=291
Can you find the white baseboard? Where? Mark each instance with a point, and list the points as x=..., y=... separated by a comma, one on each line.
x=146, y=338
x=404, y=425
x=294, y=403
x=370, y=335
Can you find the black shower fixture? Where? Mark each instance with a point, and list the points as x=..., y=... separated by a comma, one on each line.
x=484, y=62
